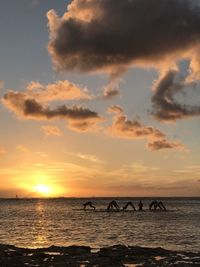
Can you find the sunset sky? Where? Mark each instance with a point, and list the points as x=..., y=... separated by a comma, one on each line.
x=99, y=98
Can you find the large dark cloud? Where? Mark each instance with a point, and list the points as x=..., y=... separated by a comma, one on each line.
x=108, y=34
x=165, y=105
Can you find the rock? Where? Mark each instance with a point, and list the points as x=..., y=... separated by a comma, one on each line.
x=114, y=256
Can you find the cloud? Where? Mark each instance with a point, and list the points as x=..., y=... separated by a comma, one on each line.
x=164, y=144
x=115, y=109
x=102, y=35
x=138, y=167
x=89, y=157
x=42, y=154
x=112, y=35
x=35, y=92
x=34, y=85
x=110, y=93
x=112, y=88
x=60, y=90
x=165, y=105
x=132, y=129
x=78, y=118
x=124, y=128
x=51, y=130
x=85, y=125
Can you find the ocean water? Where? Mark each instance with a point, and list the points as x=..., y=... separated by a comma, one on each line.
x=36, y=223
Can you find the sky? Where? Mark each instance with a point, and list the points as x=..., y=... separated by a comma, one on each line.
x=99, y=98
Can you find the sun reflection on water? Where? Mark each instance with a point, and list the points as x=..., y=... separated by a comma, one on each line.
x=39, y=229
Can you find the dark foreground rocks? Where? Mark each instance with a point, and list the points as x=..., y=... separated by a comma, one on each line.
x=82, y=256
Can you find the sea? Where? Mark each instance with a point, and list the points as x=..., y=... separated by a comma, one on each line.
x=35, y=223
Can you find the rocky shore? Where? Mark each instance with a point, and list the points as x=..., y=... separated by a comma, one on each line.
x=83, y=256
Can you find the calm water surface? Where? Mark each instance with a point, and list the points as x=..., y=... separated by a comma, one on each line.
x=46, y=222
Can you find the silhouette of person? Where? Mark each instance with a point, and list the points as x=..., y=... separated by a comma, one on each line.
x=129, y=204
x=140, y=205
x=153, y=205
x=113, y=205
x=161, y=206
x=88, y=204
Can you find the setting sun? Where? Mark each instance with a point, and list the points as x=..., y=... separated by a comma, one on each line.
x=99, y=133
x=42, y=189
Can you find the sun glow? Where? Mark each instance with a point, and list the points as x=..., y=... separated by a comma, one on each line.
x=42, y=183
x=42, y=189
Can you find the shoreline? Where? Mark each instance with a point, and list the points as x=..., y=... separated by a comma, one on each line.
x=85, y=256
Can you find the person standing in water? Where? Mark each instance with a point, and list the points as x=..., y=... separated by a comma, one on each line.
x=88, y=204
x=140, y=205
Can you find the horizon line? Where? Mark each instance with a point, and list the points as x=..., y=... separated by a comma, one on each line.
x=86, y=197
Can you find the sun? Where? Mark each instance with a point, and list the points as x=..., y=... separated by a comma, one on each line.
x=42, y=189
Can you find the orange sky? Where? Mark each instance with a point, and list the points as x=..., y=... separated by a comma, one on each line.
x=81, y=119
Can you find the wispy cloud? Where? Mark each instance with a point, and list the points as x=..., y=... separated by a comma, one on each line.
x=135, y=178
x=141, y=167
x=42, y=154
x=89, y=157
x=112, y=88
x=110, y=92
x=51, y=130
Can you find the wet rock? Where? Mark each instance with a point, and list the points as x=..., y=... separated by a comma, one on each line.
x=114, y=256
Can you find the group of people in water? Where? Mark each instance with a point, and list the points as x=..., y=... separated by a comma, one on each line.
x=154, y=205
